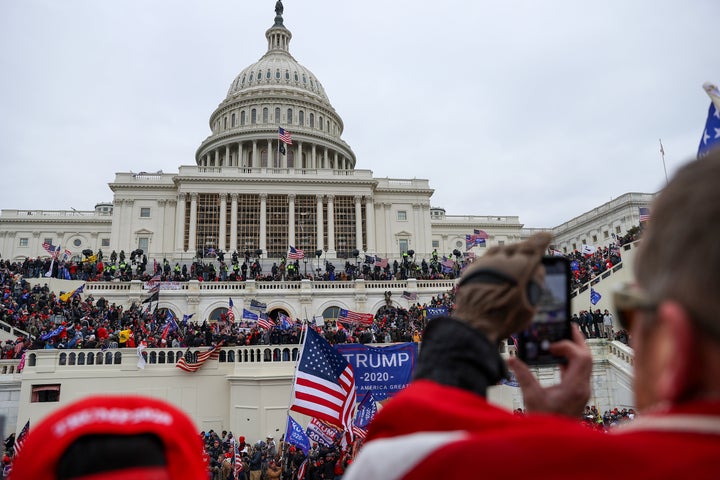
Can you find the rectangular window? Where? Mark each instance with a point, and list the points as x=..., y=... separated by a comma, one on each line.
x=145, y=212
x=45, y=393
x=23, y=241
x=402, y=215
x=617, y=230
x=594, y=238
x=436, y=243
x=403, y=245
x=143, y=243
x=48, y=240
x=606, y=234
x=105, y=242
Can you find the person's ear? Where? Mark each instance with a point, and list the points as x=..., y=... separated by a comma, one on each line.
x=674, y=347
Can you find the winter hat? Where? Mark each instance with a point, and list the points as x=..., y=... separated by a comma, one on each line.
x=112, y=437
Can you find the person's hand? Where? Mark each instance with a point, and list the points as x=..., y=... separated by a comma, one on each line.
x=570, y=396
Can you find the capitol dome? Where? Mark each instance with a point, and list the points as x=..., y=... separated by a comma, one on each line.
x=273, y=93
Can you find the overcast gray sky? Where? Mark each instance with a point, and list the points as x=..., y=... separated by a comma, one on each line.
x=538, y=109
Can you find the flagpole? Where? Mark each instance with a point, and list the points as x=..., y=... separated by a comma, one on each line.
x=303, y=339
x=662, y=153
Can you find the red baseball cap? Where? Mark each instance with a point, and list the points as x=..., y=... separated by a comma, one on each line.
x=115, y=417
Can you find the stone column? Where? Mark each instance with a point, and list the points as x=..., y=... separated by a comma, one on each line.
x=320, y=243
x=192, y=244
x=370, y=223
x=222, y=231
x=331, y=225
x=241, y=154
x=299, y=158
x=263, y=223
x=389, y=246
x=254, y=161
x=358, y=224
x=180, y=223
x=291, y=219
x=314, y=159
x=271, y=155
x=217, y=157
x=129, y=223
x=233, y=221
x=326, y=162
x=227, y=161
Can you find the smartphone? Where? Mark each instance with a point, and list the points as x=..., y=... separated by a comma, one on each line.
x=552, y=320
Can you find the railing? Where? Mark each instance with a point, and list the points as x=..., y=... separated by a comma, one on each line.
x=9, y=367
x=256, y=354
x=16, y=332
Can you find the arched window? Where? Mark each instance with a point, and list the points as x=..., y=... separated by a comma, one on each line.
x=287, y=75
x=266, y=114
x=290, y=158
x=251, y=77
x=320, y=122
x=225, y=123
x=91, y=358
x=267, y=74
x=277, y=74
x=301, y=118
x=253, y=116
x=242, y=82
x=264, y=158
x=289, y=116
x=277, y=111
x=328, y=126
x=296, y=76
x=242, y=117
x=232, y=120
x=312, y=120
x=81, y=358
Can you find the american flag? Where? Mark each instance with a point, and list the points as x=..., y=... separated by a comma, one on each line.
x=295, y=253
x=265, y=322
x=481, y=233
x=21, y=437
x=644, y=214
x=360, y=433
x=284, y=136
x=365, y=319
x=230, y=313
x=51, y=249
x=301, y=470
x=238, y=465
x=409, y=296
x=324, y=383
x=381, y=262
x=185, y=363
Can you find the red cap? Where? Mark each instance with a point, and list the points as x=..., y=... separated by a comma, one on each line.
x=114, y=415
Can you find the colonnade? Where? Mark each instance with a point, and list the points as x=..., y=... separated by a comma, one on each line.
x=191, y=228
x=240, y=154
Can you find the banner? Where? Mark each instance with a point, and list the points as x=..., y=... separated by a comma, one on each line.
x=382, y=371
x=433, y=312
x=322, y=432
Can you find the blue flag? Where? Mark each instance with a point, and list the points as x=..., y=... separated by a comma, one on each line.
x=594, y=296
x=248, y=315
x=365, y=411
x=186, y=317
x=711, y=134
x=295, y=435
x=53, y=333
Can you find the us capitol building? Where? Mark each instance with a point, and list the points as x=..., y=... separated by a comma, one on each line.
x=248, y=191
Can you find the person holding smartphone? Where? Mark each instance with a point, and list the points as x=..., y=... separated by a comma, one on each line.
x=441, y=424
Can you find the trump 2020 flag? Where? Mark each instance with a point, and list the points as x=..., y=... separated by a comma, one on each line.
x=594, y=296
x=295, y=435
x=365, y=413
x=324, y=383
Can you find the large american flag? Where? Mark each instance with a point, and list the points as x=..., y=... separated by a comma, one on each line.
x=644, y=214
x=21, y=437
x=324, y=383
x=354, y=318
x=284, y=136
x=189, y=366
x=295, y=253
x=238, y=464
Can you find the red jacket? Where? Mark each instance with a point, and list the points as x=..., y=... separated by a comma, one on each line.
x=431, y=431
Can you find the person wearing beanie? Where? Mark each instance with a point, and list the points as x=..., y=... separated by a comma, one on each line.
x=442, y=426
x=112, y=438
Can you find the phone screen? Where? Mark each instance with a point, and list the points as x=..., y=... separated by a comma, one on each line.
x=552, y=320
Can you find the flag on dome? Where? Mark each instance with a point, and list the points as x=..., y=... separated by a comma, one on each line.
x=711, y=134
x=284, y=136
x=295, y=253
x=324, y=383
